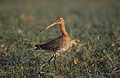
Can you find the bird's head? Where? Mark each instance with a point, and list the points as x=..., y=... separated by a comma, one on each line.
x=58, y=21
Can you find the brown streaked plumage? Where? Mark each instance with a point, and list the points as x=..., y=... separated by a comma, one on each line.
x=60, y=44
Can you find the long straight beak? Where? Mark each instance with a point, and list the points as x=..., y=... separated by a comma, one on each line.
x=49, y=26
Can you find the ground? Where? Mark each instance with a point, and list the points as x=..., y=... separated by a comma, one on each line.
x=95, y=24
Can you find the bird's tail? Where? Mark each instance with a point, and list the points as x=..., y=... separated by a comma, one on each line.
x=37, y=46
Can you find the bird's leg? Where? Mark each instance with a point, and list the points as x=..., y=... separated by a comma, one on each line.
x=55, y=55
x=50, y=59
x=54, y=61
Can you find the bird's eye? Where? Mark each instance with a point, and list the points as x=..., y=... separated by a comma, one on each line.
x=58, y=20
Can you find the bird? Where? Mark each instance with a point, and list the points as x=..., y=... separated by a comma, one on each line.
x=58, y=45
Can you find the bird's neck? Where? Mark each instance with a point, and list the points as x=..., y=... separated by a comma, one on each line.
x=62, y=28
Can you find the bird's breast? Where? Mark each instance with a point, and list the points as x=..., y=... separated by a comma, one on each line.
x=64, y=45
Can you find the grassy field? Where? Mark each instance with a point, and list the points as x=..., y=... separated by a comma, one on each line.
x=96, y=23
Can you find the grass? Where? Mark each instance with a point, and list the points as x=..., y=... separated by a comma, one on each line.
x=95, y=24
